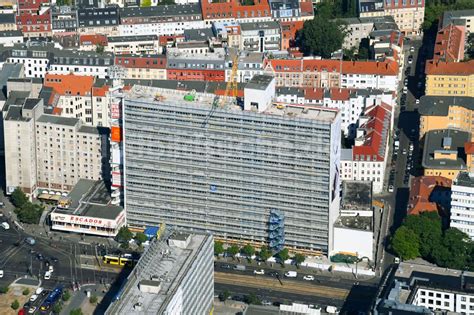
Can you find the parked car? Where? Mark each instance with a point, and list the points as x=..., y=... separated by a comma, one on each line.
x=259, y=271
x=390, y=188
x=417, y=101
x=39, y=290
x=308, y=278
x=240, y=267
x=1, y=273
x=5, y=225
x=32, y=310
x=266, y=303
x=33, y=297
x=412, y=49
x=31, y=241
x=226, y=266
x=47, y=275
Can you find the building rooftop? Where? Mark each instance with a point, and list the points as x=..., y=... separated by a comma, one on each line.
x=435, y=142
x=161, y=10
x=259, y=82
x=58, y=120
x=421, y=190
x=164, y=264
x=198, y=34
x=449, y=44
x=90, y=198
x=175, y=54
x=135, y=38
x=7, y=18
x=257, y=26
x=70, y=84
x=449, y=68
x=11, y=33
x=439, y=105
x=464, y=179
x=356, y=195
x=9, y=71
x=355, y=222
x=451, y=16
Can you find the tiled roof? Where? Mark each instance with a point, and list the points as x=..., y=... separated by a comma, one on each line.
x=69, y=84
x=449, y=68
x=96, y=39
x=449, y=44
x=469, y=147
x=387, y=67
x=420, y=191
x=376, y=133
x=233, y=8
x=141, y=61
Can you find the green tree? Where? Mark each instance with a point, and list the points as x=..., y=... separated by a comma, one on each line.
x=99, y=49
x=19, y=198
x=145, y=3
x=224, y=296
x=264, y=253
x=283, y=255
x=93, y=299
x=247, y=2
x=140, y=238
x=124, y=235
x=29, y=213
x=233, y=250
x=321, y=36
x=4, y=290
x=248, y=250
x=57, y=308
x=15, y=305
x=66, y=295
x=76, y=311
x=299, y=258
x=218, y=248
x=26, y=291
x=455, y=250
x=252, y=299
x=406, y=243
x=427, y=226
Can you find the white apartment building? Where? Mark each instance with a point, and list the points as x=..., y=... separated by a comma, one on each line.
x=260, y=36
x=370, y=80
x=250, y=64
x=462, y=203
x=351, y=102
x=160, y=20
x=35, y=59
x=77, y=97
x=138, y=44
x=366, y=160
x=81, y=63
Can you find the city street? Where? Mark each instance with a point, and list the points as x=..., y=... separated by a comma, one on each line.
x=406, y=164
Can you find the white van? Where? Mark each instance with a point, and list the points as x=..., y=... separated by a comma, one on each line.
x=5, y=225
x=1, y=273
x=291, y=274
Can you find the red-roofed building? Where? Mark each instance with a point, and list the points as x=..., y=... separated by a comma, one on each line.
x=142, y=66
x=288, y=33
x=232, y=9
x=90, y=42
x=449, y=43
x=34, y=20
x=366, y=160
x=327, y=73
x=429, y=193
x=77, y=96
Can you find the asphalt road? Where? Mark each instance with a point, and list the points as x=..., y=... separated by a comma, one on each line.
x=407, y=121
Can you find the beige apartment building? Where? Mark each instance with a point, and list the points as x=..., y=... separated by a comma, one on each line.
x=67, y=150
x=47, y=151
x=20, y=141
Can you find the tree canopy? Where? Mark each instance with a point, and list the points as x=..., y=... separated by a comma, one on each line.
x=248, y=250
x=233, y=250
x=283, y=255
x=218, y=248
x=264, y=253
x=19, y=198
x=29, y=213
x=140, y=237
x=124, y=235
x=435, y=8
x=321, y=36
x=423, y=236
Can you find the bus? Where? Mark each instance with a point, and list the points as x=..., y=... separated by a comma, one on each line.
x=111, y=259
x=52, y=298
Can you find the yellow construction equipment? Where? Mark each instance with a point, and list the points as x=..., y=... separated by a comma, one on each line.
x=232, y=83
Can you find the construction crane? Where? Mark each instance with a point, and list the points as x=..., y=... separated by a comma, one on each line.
x=231, y=86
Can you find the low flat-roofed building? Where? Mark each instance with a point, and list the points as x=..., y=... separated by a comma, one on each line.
x=422, y=288
x=87, y=210
x=137, y=44
x=353, y=230
x=444, y=153
x=175, y=275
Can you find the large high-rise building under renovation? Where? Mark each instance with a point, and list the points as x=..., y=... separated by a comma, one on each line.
x=267, y=175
